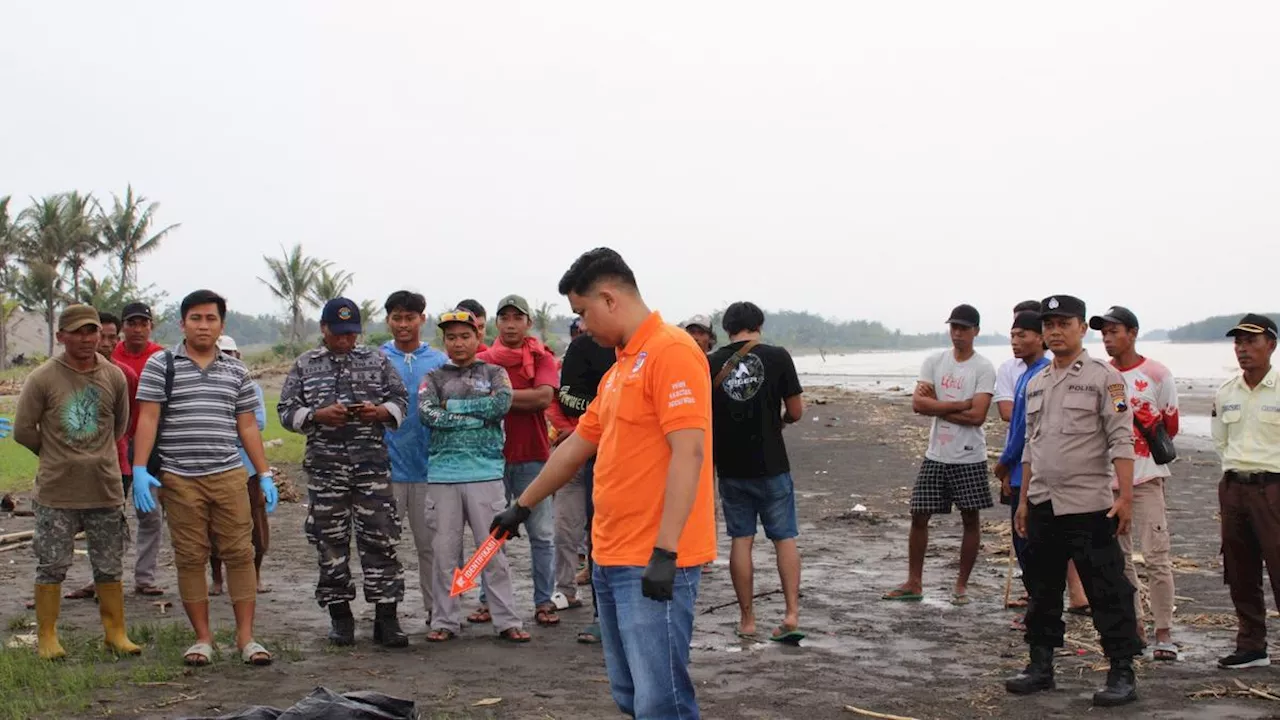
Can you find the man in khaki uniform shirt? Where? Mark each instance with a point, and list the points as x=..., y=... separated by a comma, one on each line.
x=1246, y=431
x=1079, y=427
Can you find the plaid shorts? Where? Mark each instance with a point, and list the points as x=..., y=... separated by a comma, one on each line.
x=939, y=485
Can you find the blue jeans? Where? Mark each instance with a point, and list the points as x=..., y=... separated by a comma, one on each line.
x=540, y=527
x=646, y=643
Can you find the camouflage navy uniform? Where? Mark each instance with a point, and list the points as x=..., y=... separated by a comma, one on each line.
x=348, y=469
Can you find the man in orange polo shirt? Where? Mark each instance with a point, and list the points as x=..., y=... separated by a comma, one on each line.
x=654, y=526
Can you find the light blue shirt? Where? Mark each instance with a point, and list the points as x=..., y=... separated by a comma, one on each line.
x=259, y=414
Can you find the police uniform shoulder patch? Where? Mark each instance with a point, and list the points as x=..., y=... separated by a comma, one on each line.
x=1117, y=392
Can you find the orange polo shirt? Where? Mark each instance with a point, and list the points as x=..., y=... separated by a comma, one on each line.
x=660, y=384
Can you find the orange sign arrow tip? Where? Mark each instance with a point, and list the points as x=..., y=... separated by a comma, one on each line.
x=464, y=578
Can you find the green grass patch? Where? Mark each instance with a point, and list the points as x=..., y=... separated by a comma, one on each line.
x=18, y=465
x=31, y=687
x=294, y=446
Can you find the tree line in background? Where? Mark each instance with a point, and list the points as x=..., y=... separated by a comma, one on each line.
x=48, y=251
x=1213, y=329
x=302, y=282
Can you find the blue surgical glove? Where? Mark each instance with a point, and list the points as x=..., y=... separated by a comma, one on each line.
x=5, y=427
x=142, y=484
x=268, y=483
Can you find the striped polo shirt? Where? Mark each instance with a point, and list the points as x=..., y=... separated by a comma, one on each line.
x=199, y=434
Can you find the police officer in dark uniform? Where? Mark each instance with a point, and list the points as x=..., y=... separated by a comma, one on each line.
x=343, y=397
x=1079, y=431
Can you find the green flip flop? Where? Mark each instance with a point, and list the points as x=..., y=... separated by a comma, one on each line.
x=902, y=595
x=791, y=637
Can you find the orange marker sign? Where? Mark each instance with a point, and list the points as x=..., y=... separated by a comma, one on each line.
x=464, y=578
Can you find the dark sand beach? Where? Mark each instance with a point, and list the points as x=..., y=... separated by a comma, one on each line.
x=922, y=660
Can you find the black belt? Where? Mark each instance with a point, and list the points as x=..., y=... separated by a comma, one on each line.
x=1257, y=478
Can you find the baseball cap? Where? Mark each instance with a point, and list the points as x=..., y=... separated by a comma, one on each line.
x=966, y=315
x=516, y=302
x=1119, y=315
x=466, y=317
x=135, y=309
x=1062, y=306
x=1254, y=324
x=226, y=344
x=342, y=316
x=702, y=321
x=1028, y=320
x=75, y=317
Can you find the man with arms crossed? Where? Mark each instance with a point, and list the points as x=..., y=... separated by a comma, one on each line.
x=654, y=523
x=955, y=389
x=758, y=391
x=464, y=402
x=534, y=377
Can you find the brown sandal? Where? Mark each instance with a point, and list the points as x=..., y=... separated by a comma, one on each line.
x=515, y=635
x=546, y=616
x=480, y=616
x=440, y=635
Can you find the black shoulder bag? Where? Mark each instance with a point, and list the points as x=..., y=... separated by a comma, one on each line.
x=1162, y=450
x=153, y=462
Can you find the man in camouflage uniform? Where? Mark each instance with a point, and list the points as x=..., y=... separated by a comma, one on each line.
x=343, y=396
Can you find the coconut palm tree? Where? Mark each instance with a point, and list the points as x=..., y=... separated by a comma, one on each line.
x=47, y=243
x=106, y=294
x=329, y=285
x=11, y=242
x=369, y=311
x=126, y=232
x=84, y=242
x=542, y=320
x=292, y=280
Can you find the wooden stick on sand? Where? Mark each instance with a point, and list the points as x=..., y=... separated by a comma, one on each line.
x=1008, y=576
x=871, y=714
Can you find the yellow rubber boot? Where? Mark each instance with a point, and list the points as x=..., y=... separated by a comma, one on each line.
x=111, y=608
x=48, y=605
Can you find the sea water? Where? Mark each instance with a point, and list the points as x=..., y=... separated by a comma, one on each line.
x=1199, y=368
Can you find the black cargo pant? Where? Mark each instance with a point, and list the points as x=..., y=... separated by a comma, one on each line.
x=1088, y=539
x=1250, y=539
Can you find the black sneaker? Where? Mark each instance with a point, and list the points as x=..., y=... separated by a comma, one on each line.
x=1241, y=659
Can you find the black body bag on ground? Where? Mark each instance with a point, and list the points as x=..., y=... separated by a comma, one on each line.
x=324, y=704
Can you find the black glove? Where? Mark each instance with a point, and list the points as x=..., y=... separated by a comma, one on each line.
x=508, y=521
x=659, y=578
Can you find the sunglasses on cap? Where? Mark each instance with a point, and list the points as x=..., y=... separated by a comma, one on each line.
x=461, y=316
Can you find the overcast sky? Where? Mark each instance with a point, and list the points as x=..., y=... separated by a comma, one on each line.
x=859, y=160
